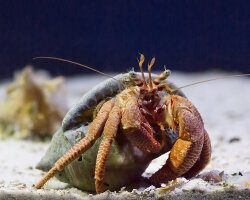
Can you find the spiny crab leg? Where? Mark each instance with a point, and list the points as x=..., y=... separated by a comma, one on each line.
x=135, y=127
x=83, y=145
x=187, y=149
x=109, y=133
x=203, y=159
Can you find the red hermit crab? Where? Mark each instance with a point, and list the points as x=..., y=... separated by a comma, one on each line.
x=143, y=113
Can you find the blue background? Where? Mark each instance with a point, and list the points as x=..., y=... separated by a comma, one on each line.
x=183, y=35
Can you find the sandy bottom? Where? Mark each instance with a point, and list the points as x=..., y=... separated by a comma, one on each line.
x=225, y=108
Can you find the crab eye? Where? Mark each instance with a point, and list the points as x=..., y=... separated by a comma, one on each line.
x=168, y=72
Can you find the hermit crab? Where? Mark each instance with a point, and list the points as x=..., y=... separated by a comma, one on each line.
x=110, y=136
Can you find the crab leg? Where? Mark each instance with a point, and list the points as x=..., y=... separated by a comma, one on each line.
x=109, y=133
x=83, y=145
x=188, y=147
x=203, y=159
x=137, y=129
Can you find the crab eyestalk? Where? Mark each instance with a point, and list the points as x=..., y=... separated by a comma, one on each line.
x=163, y=76
x=164, y=86
x=166, y=72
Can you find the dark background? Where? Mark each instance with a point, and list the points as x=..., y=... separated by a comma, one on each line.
x=184, y=35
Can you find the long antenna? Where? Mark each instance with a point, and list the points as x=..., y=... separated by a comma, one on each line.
x=76, y=63
x=142, y=73
x=209, y=80
x=149, y=72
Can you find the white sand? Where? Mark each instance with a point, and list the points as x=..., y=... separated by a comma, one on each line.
x=225, y=108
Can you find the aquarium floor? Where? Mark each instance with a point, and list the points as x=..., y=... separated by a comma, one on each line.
x=225, y=108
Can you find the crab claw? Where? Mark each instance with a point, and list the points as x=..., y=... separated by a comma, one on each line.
x=188, y=147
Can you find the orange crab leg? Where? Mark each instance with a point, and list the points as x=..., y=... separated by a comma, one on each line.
x=188, y=147
x=203, y=159
x=83, y=145
x=109, y=133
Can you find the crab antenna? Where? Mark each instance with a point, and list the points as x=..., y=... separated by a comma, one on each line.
x=209, y=80
x=75, y=63
x=149, y=72
x=140, y=65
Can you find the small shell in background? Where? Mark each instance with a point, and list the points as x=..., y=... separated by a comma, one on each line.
x=33, y=106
